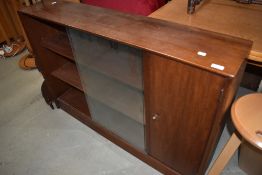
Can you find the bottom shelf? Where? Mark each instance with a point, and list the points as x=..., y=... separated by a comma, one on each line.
x=73, y=101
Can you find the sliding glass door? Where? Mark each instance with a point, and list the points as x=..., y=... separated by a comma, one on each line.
x=111, y=74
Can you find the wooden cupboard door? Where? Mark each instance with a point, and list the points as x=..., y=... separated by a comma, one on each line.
x=181, y=102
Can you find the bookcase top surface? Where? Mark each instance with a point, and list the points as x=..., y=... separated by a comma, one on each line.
x=218, y=53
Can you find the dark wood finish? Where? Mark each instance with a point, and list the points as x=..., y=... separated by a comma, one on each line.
x=173, y=40
x=46, y=94
x=59, y=44
x=179, y=135
x=46, y=60
x=69, y=74
x=44, y=57
x=230, y=89
x=190, y=96
x=73, y=101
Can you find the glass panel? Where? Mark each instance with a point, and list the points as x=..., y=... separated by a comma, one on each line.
x=111, y=74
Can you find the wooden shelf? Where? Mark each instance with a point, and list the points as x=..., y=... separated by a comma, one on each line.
x=73, y=101
x=59, y=44
x=129, y=103
x=69, y=74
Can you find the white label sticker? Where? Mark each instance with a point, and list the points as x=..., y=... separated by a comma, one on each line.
x=53, y=3
x=217, y=66
x=203, y=54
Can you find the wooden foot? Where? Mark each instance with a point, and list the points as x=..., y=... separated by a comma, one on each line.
x=225, y=155
x=47, y=95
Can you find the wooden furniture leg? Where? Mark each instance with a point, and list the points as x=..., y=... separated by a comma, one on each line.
x=225, y=155
x=19, y=24
x=2, y=30
x=47, y=94
x=6, y=22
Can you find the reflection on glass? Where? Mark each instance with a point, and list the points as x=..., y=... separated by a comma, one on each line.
x=111, y=74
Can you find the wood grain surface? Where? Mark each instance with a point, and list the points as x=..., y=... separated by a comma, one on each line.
x=223, y=16
x=173, y=40
x=178, y=137
x=69, y=74
x=74, y=102
x=59, y=44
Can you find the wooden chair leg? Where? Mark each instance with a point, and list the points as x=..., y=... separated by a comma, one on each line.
x=225, y=155
x=19, y=25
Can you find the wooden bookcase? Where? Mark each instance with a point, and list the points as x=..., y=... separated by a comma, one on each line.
x=173, y=99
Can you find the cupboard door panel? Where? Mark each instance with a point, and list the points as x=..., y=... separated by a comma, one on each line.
x=181, y=103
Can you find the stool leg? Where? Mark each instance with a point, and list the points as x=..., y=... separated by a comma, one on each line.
x=225, y=155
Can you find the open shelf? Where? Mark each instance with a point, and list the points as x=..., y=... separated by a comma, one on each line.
x=69, y=74
x=73, y=101
x=59, y=44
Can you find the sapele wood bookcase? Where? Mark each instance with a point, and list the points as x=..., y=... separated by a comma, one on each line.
x=159, y=90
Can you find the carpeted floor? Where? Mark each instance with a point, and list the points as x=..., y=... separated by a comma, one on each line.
x=35, y=140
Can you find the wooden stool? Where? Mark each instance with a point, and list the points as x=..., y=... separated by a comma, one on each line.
x=246, y=115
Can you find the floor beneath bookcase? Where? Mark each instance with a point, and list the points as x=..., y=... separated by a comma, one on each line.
x=35, y=140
